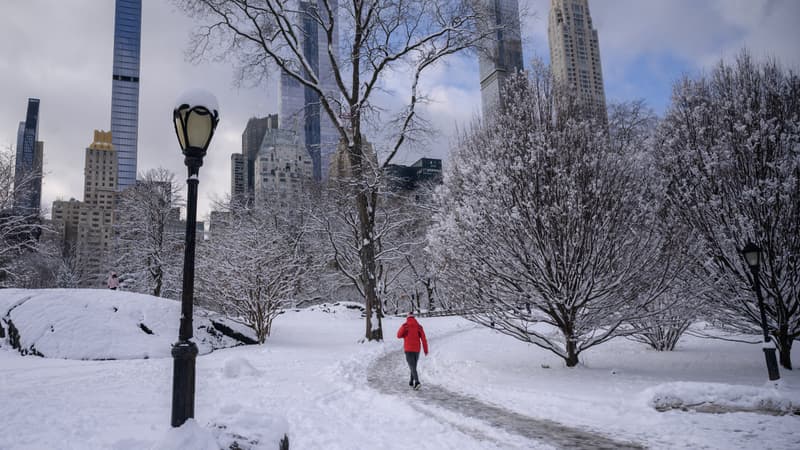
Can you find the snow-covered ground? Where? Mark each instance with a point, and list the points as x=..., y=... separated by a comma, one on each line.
x=309, y=381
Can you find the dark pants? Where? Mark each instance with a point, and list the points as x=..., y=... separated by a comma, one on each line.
x=411, y=359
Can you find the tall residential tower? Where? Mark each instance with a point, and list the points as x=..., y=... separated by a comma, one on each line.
x=575, y=52
x=501, y=53
x=125, y=88
x=28, y=166
x=87, y=227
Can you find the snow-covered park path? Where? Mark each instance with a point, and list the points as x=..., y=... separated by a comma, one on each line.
x=386, y=374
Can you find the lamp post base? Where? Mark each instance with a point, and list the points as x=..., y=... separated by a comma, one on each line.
x=184, y=354
x=772, y=364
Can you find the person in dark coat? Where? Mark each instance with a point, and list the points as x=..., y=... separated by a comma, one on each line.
x=412, y=334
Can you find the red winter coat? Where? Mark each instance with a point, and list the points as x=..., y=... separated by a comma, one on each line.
x=412, y=333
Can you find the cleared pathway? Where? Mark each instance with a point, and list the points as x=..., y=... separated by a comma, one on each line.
x=387, y=375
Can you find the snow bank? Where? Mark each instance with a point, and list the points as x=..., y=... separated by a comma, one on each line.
x=720, y=398
x=91, y=324
x=239, y=367
x=188, y=435
x=345, y=309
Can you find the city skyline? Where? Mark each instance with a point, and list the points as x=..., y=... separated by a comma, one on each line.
x=641, y=59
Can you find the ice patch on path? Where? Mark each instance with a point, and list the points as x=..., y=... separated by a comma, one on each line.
x=720, y=398
x=189, y=435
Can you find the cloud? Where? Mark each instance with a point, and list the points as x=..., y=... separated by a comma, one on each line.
x=64, y=57
x=645, y=45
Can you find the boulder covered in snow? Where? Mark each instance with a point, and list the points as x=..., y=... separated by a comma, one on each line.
x=98, y=324
x=721, y=398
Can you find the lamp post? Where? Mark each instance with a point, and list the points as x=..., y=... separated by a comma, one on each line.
x=752, y=254
x=195, y=118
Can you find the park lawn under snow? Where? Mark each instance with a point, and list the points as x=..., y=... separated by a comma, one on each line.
x=309, y=381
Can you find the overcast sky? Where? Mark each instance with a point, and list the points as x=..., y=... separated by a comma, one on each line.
x=60, y=51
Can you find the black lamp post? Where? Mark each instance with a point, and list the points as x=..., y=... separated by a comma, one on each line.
x=752, y=254
x=195, y=116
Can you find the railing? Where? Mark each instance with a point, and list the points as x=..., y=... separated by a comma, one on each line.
x=453, y=312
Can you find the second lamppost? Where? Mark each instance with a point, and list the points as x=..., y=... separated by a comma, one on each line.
x=752, y=254
x=195, y=117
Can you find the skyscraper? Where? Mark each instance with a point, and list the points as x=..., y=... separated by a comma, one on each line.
x=252, y=136
x=299, y=106
x=283, y=168
x=125, y=88
x=87, y=227
x=501, y=53
x=237, y=176
x=575, y=52
x=28, y=166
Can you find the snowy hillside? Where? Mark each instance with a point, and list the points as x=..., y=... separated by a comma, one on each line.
x=101, y=324
x=314, y=381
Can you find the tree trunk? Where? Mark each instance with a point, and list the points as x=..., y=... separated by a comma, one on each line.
x=159, y=283
x=429, y=293
x=374, y=332
x=785, y=349
x=572, y=355
x=366, y=200
x=572, y=360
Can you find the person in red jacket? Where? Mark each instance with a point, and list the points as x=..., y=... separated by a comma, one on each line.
x=412, y=334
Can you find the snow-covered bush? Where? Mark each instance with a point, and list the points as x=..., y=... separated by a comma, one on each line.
x=149, y=237
x=552, y=222
x=729, y=148
x=20, y=228
x=255, y=264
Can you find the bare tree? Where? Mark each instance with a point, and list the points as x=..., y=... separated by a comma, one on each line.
x=255, y=264
x=729, y=148
x=68, y=272
x=149, y=237
x=548, y=229
x=392, y=229
x=378, y=37
x=19, y=229
x=418, y=284
x=670, y=316
x=633, y=125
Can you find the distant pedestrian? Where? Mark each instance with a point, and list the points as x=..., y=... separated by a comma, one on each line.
x=412, y=334
x=113, y=281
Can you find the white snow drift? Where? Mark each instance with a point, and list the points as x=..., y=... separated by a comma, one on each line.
x=309, y=381
x=102, y=324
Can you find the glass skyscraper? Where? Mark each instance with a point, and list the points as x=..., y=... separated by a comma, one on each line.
x=500, y=53
x=299, y=106
x=28, y=166
x=125, y=88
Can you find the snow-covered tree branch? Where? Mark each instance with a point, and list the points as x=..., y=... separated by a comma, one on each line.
x=149, y=237
x=365, y=41
x=730, y=150
x=548, y=229
x=19, y=229
x=256, y=264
